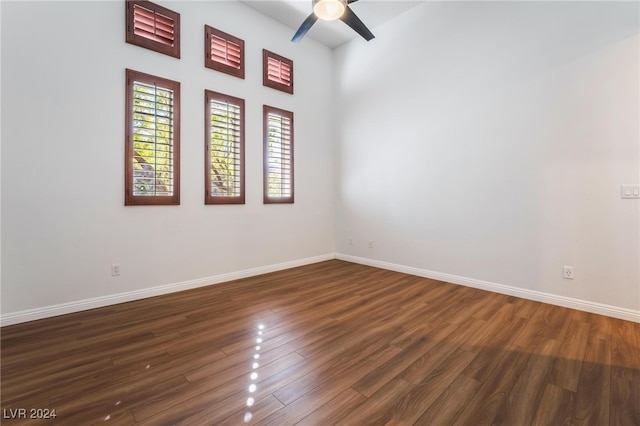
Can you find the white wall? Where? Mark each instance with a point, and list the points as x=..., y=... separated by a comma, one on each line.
x=63, y=219
x=488, y=141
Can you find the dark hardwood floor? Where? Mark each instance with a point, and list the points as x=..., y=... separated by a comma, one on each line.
x=329, y=343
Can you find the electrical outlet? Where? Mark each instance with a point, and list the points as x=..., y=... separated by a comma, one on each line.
x=115, y=270
x=568, y=273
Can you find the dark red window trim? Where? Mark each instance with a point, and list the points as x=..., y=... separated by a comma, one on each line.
x=267, y=198
x=223, y=52
x=132, y=155
x=277, y=72
x=153, y=27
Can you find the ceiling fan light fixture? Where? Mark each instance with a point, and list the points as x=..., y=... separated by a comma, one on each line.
x=329, y=10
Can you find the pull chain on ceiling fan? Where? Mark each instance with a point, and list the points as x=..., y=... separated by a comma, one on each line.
x=330, y=10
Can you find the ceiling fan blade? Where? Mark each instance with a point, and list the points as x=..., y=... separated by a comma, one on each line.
x=350, y=18
x=306, y=26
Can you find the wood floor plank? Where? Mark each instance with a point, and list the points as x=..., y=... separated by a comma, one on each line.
x=490, y=306
x=527, y=392
x=376, y=379
x=95, y=410
x=118, y=382
x=450, y=403
x=523, y=308
x=341, y=343
x=624, y=401
x=372, y=352
x=548, y=322
x=408, y=409
x=625, y=350
x=592, y=401
x=249, y=415
x=567, y=367
x=20, y=386
x=375, y=408
x=324, y=389
x=445, y=341
x=505, y=367
x=491, y=346
x=208, y=390
x=555, y=407
x=334, y=410
x=231, y=366
x=500, y=328
x=625, y=374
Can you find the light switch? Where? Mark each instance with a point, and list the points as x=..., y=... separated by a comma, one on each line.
x=630, y=191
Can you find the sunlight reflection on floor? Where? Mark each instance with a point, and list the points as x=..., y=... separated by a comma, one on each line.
x=254, y=374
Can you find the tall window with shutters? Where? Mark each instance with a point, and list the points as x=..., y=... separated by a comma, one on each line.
x=278, y=155
x=152, y=151
x=223, y=52
x=224, y=149
x=153, y=27
x=277, y=72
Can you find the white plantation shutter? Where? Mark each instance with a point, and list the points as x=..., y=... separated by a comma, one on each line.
x=224, y=52
x=225, y=149
x=278, y=152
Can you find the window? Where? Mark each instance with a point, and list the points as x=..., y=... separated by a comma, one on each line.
x=278, y=155
x=223, y=52
x=152, y=151
x=153, y=27
x=224, y=149
x=277, y=72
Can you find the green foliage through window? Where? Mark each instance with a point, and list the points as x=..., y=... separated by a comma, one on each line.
x=225, y=149
x=152, y=140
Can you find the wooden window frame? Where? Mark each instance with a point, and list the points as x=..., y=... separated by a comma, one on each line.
x=137, y=200
x=149, y=43
x=210, y=62
x=266, y=81
x=209, y=198
x=267, y=199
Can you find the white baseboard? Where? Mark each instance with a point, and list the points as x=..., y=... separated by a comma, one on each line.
x=98, y=302
x=538, y=296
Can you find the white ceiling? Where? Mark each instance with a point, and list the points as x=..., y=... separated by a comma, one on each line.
x=292, y=12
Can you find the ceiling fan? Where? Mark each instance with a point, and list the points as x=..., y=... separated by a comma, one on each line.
x=330, y=10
